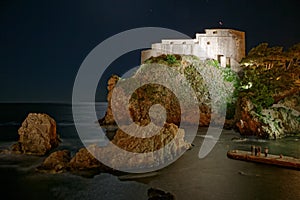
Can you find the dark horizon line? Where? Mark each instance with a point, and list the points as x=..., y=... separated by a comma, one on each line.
x=47, y=102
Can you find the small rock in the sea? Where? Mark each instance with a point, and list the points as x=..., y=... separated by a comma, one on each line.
x=156, y=194
x=37, y=135
x=242, y=173
x=56, y=162
x=84, y=163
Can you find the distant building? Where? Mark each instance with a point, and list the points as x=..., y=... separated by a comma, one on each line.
x=225, y=45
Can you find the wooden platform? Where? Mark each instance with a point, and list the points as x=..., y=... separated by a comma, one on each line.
x=284, y=161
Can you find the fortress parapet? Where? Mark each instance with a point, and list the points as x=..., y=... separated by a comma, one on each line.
x=225, y=45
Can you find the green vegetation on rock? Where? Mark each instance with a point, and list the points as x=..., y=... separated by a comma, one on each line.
x=263, y=98
x=170, y=60
x=205, y=76
x=270, y=76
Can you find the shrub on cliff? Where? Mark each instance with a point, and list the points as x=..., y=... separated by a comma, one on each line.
x=269, y=77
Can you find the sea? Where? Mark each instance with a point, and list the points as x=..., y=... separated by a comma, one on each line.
x=189, y=177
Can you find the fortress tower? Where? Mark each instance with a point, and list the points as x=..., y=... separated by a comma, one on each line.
x=225, y=45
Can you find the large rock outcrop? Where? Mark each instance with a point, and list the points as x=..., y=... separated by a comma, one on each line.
x=269, y=98
x=202, y=76
x=143, y=144
x=145, y=147
x=277, y=121
x=37, y=135
x=86, y=161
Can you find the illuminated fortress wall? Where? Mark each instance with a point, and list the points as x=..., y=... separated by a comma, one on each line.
x=225, y=45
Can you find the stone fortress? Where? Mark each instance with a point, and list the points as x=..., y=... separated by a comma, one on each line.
x=227, y=46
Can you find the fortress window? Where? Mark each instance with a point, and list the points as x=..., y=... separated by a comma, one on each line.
x=215, y=32
x=208, y=43
x=184, y=43
x=227, y=61
x=219, y=58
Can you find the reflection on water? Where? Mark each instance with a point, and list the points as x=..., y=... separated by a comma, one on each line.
x=214, y=177
x=217, y=177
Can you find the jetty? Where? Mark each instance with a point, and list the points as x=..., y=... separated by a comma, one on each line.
x=278, y=160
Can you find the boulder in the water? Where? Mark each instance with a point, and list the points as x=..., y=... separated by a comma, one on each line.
x=37, y=135
x=156, y=194
x=56, y=162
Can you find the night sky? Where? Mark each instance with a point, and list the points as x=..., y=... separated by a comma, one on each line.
x=43, y=43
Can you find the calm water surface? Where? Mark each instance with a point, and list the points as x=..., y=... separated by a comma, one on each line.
x=214, y=177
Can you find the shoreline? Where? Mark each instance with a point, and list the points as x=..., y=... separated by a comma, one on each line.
x=188, y=177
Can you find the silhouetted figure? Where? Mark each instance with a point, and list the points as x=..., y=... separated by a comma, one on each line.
x=266, y=151
x=255, y=150
x=258, y=150
x=252, y=150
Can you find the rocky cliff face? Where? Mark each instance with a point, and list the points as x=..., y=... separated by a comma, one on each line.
x=266, y=92
x=202, y=76
x=109, y=119
x=269, y=101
